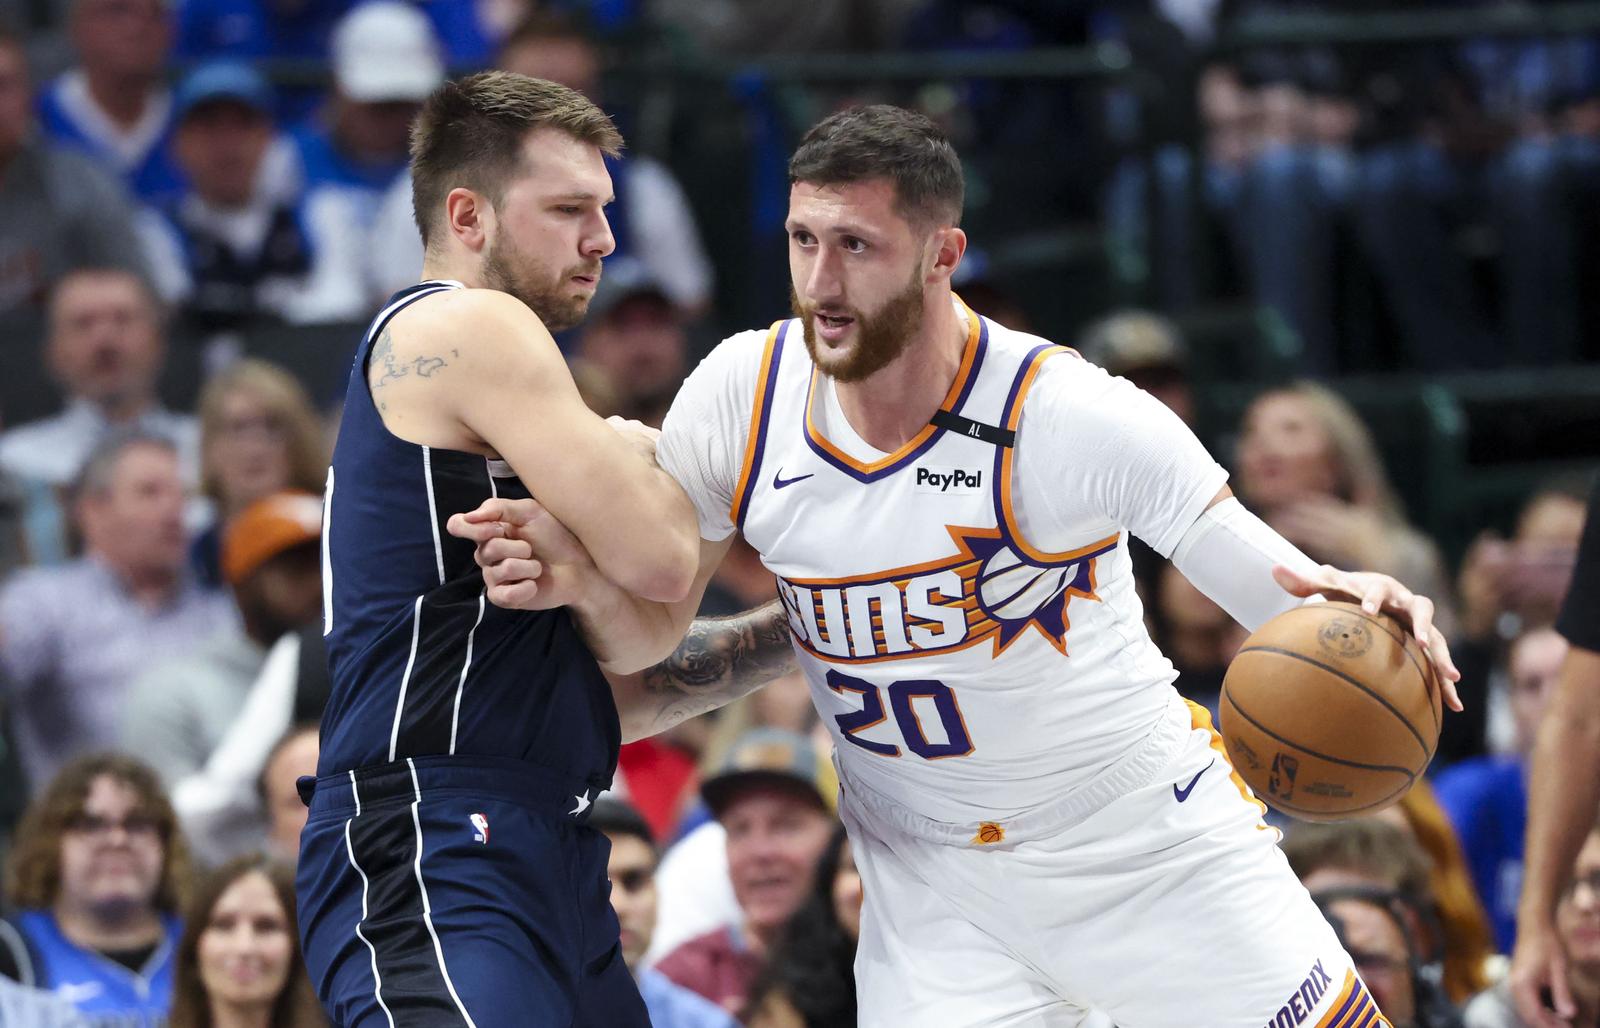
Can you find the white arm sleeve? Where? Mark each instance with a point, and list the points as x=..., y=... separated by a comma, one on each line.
x=1228, y=553
x=703, y=436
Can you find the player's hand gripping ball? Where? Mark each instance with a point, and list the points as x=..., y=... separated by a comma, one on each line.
x=1330, y=712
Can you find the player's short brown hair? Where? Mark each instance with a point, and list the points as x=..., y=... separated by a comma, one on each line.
x=35, y=873
x=883, y=141
x=470, y=133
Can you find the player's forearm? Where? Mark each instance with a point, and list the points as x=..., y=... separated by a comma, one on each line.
x=718, y=661
x=626, y=633
x=650, y=542
x=1563, y=789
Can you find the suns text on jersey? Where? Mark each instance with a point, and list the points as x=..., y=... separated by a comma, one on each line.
x=983, y=591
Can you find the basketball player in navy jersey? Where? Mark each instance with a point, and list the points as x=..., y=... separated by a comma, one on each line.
x=446, y=875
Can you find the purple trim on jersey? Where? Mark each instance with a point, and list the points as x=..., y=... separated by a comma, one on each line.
x=769, y=391
x=1005, y=420
x=927, y=444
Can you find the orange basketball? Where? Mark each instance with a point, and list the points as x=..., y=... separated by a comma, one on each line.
x=1329, y=712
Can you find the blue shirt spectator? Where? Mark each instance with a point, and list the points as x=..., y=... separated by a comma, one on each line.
x=1487, y=801
x=1487, y=797
x=386, y=60
x=114, y=106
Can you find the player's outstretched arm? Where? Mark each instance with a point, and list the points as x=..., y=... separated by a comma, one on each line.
x=1252, y=572
x=720, y=660
x=1563, y=794
x=497, y=374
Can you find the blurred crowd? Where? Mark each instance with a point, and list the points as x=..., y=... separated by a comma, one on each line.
x=176, y=176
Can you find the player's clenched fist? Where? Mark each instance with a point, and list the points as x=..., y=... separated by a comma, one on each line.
x=529, y=559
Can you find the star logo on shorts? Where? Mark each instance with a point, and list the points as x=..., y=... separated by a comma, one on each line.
x=583, y=804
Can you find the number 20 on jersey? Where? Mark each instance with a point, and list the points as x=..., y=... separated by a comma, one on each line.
x=910, y=702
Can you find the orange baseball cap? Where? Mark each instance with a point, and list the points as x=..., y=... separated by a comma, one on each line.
x=267, y=528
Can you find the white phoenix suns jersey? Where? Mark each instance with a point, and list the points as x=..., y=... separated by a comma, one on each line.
x=964, y=607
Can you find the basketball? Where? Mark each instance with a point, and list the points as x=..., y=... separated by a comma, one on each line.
x=1330, y=712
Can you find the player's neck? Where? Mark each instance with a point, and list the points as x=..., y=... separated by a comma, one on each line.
x=888, y=408
x=464, y=268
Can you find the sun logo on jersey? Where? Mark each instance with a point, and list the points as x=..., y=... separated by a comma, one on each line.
x=987, y=590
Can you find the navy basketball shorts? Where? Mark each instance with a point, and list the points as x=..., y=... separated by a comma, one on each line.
x=460, y=891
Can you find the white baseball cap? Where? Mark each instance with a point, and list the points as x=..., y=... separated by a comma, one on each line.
x=386, y=50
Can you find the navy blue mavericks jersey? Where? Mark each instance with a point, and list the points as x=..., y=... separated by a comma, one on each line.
x=421, y=663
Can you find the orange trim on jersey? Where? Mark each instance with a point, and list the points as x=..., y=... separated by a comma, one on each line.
x=964, y=372
x=758, y=414
x=1200, y=717
x=1350, y=985
x=902, y=575
x=1007, y=517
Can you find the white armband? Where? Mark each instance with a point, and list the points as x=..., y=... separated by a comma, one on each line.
x=1229, y=553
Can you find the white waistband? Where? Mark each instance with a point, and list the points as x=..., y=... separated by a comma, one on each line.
x=1137, y=768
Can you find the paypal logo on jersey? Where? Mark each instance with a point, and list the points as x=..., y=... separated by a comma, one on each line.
x=949, y=481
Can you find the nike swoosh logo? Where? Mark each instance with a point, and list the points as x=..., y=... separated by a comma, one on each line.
x=1183, y=793
x=779, y=482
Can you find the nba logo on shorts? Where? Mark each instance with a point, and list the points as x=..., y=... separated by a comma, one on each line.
x=480, y=828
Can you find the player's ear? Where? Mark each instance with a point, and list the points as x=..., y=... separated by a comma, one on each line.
x=469, y=218
x=946, y=248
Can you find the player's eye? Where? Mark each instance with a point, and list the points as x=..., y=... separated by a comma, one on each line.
x=854, y=245
x=569, y=209
x=802, y=237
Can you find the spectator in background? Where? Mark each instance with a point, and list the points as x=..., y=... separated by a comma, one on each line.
x=1147, y=350
x=96, y=878
x=293, y=757
x=651, y=219
x=115, y=106
x=1506, y=586
x=261, y=756
x=178, y=711
x=107, y=341
x=768, y=800
x=259, y=434
x=1487, y=797
x=36, y=1008
x=1370, y=860
x=1374, y=927
x=636, y=334
x=77, y=635
x=58, y=210
x=1468, y=946
x=236, y=245
x=238, y=964
x=1308, y=466
x=809, y=979
x=632, y=870
x=386, y=61
x=1578, y=925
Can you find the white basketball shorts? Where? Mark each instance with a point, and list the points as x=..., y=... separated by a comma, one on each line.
x=1169, y=907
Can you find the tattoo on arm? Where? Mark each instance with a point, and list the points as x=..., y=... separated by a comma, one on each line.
x=720, y=660
x=390, y=368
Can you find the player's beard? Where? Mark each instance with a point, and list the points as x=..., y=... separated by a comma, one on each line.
x=880, y=337
x=508, y=268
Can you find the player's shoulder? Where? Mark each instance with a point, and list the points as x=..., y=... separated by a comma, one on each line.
x=484, y=332
x=733, y=366
x=1061, y=369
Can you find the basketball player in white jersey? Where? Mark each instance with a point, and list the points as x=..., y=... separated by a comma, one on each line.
x=1042, y=825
